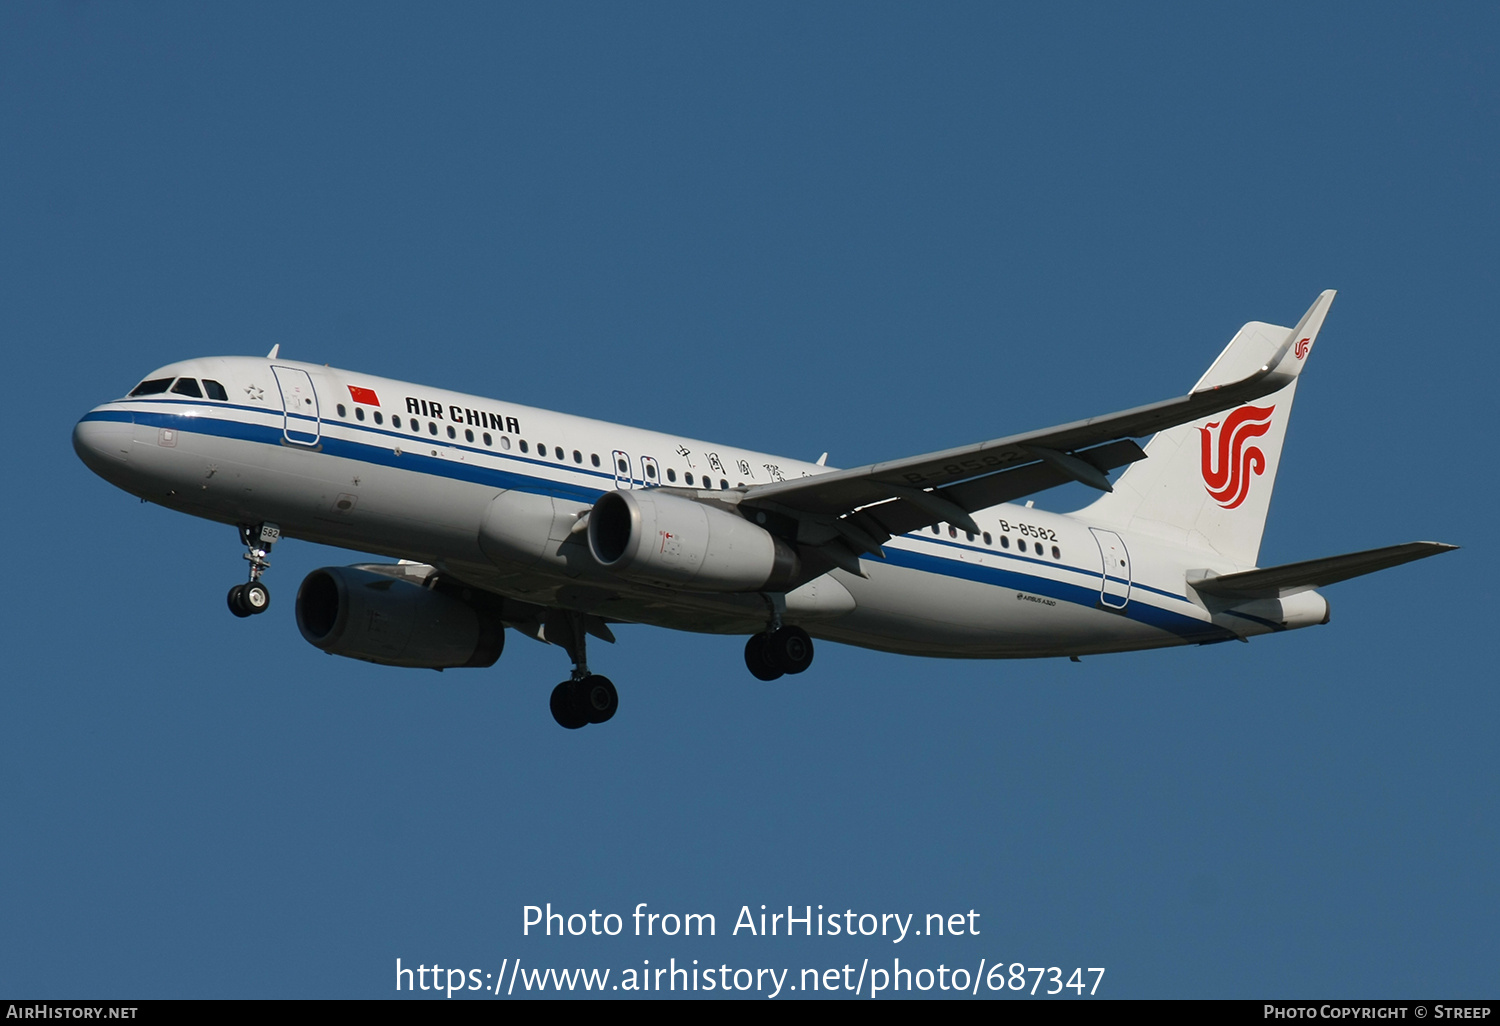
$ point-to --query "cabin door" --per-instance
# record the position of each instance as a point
(303, 425)
(1114, 581)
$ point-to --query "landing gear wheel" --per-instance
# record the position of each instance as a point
(255, 597)
(596, 698)
(564, 710)
(237, 602)
(757, 660)
(789, 649)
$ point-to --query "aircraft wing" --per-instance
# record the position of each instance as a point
(847, 512)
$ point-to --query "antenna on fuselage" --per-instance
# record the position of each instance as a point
(275, 351)
(823, 460)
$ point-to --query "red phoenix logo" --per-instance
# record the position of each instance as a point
(1228, 478)
(1302, 348)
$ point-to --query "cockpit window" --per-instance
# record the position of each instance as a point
(152, 386)
(188, 386)
(215, 390)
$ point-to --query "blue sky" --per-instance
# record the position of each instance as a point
(870, 229)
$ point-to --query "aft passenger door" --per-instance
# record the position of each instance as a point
(1114, 582)
(303, 424)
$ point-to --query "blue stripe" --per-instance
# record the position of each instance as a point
(210, 403)
(383, 432)
(1014, 580)
(375, 454)
(1010, 579)
(1003, 554)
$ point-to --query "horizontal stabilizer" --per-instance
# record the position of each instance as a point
(1290, 578)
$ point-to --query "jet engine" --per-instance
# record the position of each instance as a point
(380, 618)
(657, 538)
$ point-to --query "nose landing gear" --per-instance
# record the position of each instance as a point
(254, 597)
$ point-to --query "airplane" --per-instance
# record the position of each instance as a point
(557, 526)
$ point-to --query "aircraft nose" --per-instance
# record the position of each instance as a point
(102, 440)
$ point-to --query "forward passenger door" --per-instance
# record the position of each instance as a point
(299, 402)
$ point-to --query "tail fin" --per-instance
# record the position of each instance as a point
(1208, 484)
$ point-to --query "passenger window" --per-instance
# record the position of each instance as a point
(623, 466)
(505, 442)
(723, 484)
(215, 390)
(188, 386)
(395, 420)
(378, 418)
(577, 456)
(342, 412)
(1021, 544)
(1056, 552)
(558, 452)
(969, 535)
(452, 433)
(1005, 541)
(651, 471)
(155, 386)
(523, 445)
(936, 529)
(432, 427)
(594, 458)
(359, 413)
(952, 531)
(671, 475)
(468, 434)
(987, 539)
(688, 477)
(488, 440)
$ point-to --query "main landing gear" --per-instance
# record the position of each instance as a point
(780, 650)
(254, 597)
(586, 697)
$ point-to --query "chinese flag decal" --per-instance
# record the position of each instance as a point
(365, 396)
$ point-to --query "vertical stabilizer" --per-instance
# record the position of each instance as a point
(1208, 484)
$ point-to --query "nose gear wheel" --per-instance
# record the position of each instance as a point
(248, 599)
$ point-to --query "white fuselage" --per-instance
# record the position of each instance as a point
(488, 492)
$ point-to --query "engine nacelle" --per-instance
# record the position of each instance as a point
(657, 538)
(348, 611)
